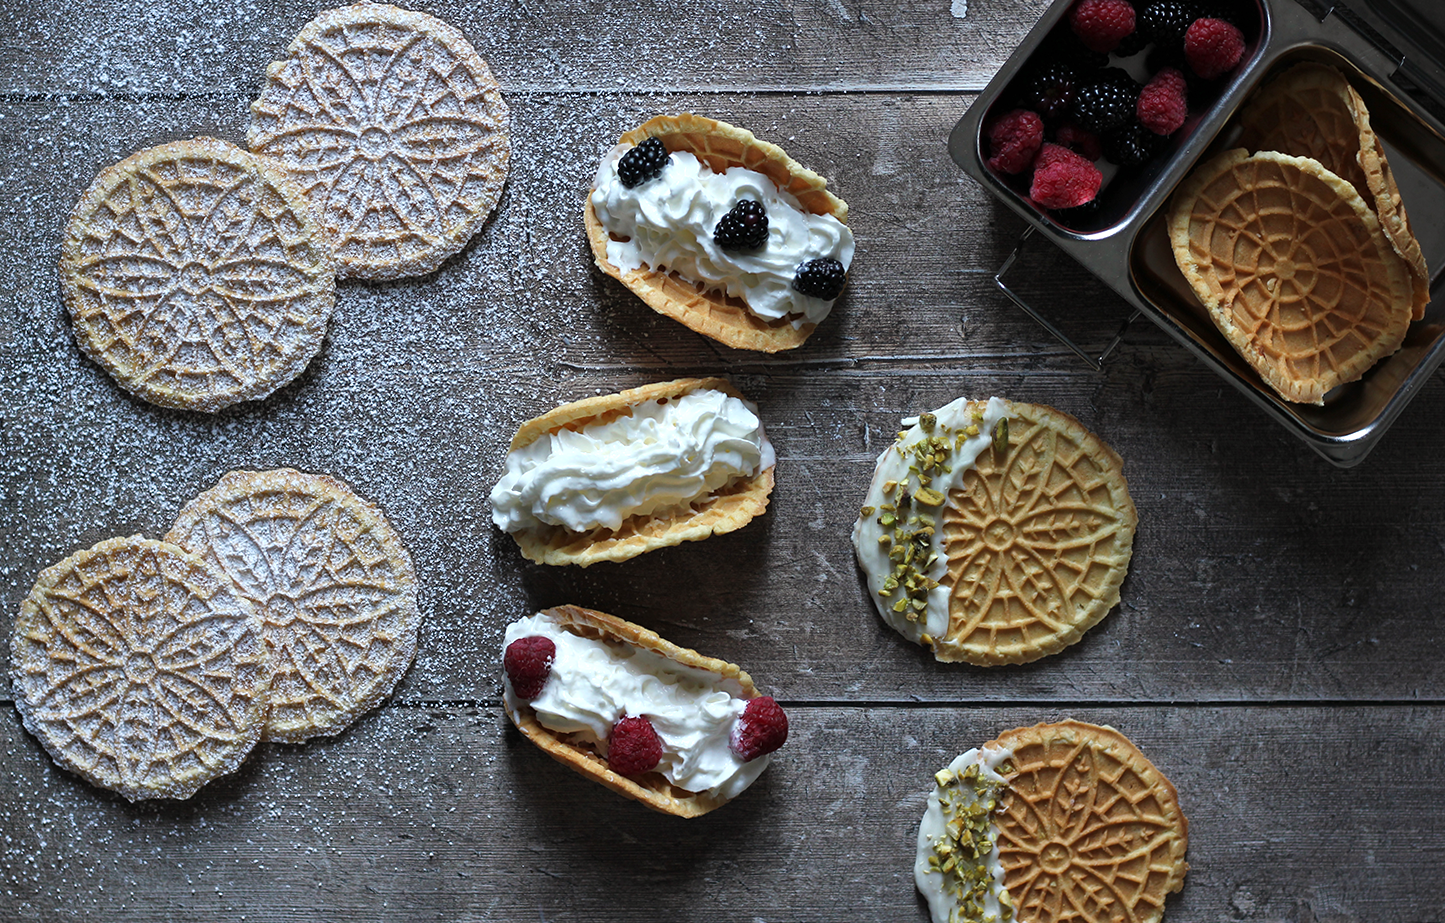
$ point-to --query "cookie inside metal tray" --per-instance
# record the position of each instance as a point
(1417, 157)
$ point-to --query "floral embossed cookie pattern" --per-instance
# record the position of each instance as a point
(139, 669)
(196, 277)
(395, 131)
(335, 589)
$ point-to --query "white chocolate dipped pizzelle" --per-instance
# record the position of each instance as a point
(1052, 823)
(604, 668)
(610, 477)
(657, 238)
(995, 531)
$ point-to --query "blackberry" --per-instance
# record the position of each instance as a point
(821, 278)
(1132, 145)
(1165, 21)
(1132, 44)
(745, 227)
(1050, 92)
(1078, 217)
(1107, 102)
(642, 163)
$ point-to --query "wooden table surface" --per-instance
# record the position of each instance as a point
(1279, 652)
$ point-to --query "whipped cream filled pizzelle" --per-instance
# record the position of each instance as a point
(967, 435)
(594, 683)
(957, 869)
(669, 223)
(660, 457)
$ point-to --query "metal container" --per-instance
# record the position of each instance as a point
(1392, 54)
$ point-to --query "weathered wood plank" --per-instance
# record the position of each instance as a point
(712, 45)
(1296, 814)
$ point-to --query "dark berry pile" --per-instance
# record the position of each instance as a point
(821, 278)
(1106, 102)
(1090, 110)
(642, 163)
(745, 227)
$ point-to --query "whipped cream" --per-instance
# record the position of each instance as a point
(967, 436)
(668, 223)
(659, 457)
(594, 683)
(962, 883)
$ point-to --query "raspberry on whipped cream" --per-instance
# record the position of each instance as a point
(595, 685)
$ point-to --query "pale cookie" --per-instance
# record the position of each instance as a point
(711, 311)
(395, 131)
(140, 669)
(1293, 268)
(996, 532)
(334, 587)
(195, 275)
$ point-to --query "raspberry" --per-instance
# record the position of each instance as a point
(1107, 102)
(1101, 24)
(1213, 47)
(1050, 91)
(821, 278)
(1063, 179)
(1132, 146)
(1164, 103)
(642, 163)
(528, 662)
(745, 227)
(1081, 141)
(1014, 140)
(1165, 21)
(634, 747)
(762, 728)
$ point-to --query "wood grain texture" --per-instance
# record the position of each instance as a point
(425, 813)
(1279, 651)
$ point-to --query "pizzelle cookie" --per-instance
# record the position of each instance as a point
(661, 724)
(995, 531)
(1312, 111)
(333, 585)
(394, 130)
(611, 477)
(140, 669)
(195, 275)
(1052, 823)
(748, 293)
(1293, 269)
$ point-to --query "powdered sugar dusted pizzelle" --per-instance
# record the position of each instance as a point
(394, 129)
(334, 587)
(140, 669)
(195, 275)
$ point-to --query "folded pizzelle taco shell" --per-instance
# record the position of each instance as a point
(724, 511)
(713, 313)
(652, 788)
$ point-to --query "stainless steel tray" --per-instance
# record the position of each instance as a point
(1126, 244)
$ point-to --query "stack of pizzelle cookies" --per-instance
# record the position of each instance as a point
(200, 275)
(1301, 251)
(280, 606)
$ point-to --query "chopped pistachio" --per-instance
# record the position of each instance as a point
(927, 421)
(929, 497)
(1000, 435)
